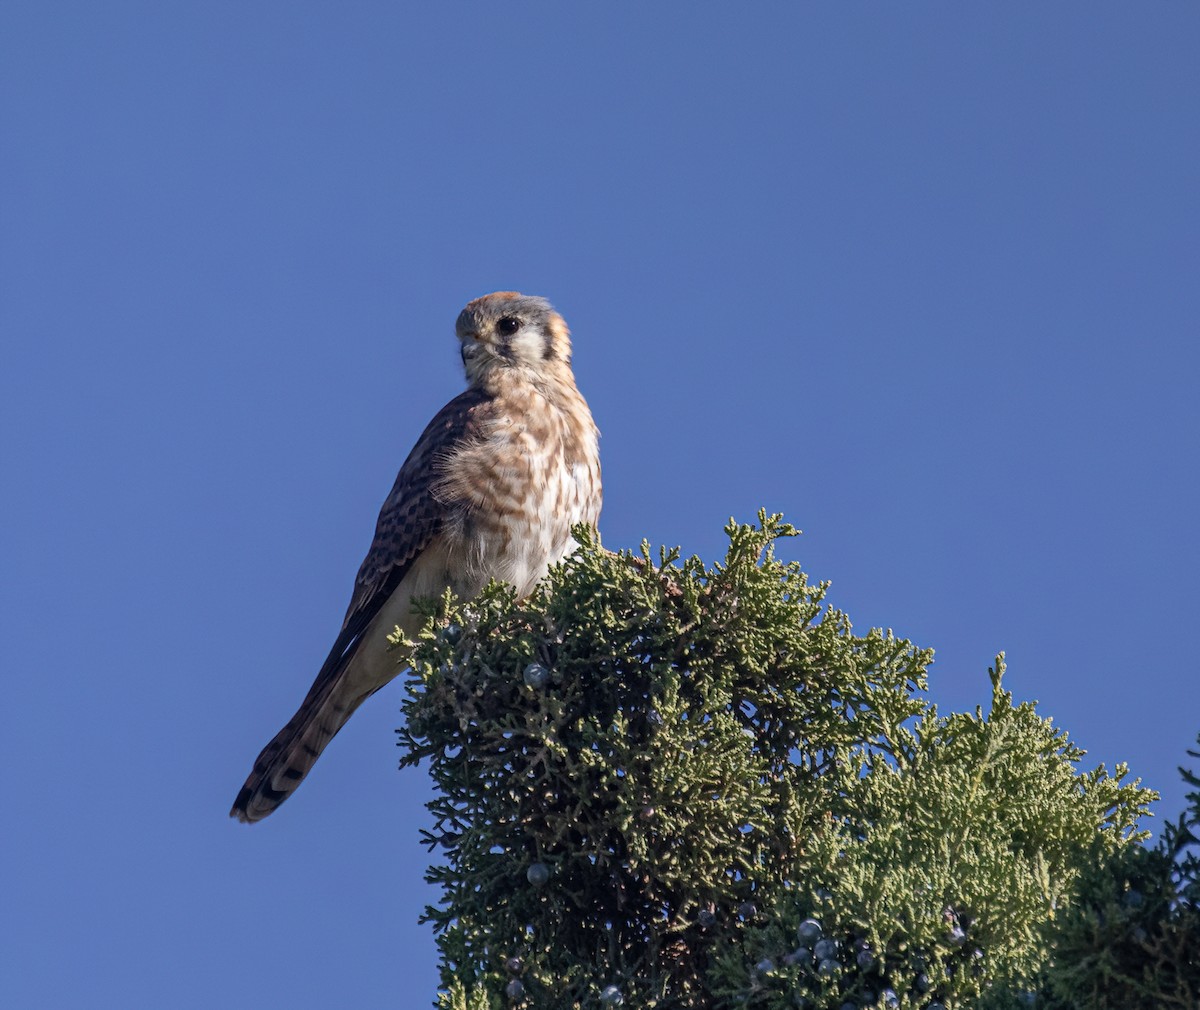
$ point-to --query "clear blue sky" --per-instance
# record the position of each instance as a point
(924, 277)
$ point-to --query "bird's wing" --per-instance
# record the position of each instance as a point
(409, 520)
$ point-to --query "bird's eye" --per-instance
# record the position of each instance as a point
(508, 325)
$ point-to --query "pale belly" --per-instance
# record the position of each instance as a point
(514, 546)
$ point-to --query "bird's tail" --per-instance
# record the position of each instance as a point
(284, 762)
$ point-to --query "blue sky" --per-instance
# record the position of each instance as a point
(923, 277)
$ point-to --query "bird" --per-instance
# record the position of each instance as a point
(490, 491)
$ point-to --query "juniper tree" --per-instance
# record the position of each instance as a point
(1132, 939)
(661, 783)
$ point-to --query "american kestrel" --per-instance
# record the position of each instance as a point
(490, 491)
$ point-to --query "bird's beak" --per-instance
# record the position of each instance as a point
(473, 342)
(470, 345)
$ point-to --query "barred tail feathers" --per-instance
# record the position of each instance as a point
(290, 756)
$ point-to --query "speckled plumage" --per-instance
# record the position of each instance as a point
(490, 491)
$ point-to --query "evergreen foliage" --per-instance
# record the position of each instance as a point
(1132, 941)
(689, 786)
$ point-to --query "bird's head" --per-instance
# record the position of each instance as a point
(507, 330)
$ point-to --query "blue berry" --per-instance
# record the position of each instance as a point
(889, 998)
(515, 989)
(827, 966)
(537, 874)
(865, 959)
(747, 910)
(809, 931)
(801, 956)
(612, 996)
(765, 965)
(825, 949)
(705, 918)
(514, 965)
(536, 675)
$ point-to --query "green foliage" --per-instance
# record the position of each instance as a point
(458, 998)
(649, 775)
(953, 843)
(1132, 941)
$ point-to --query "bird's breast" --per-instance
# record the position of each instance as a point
(515, 491)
